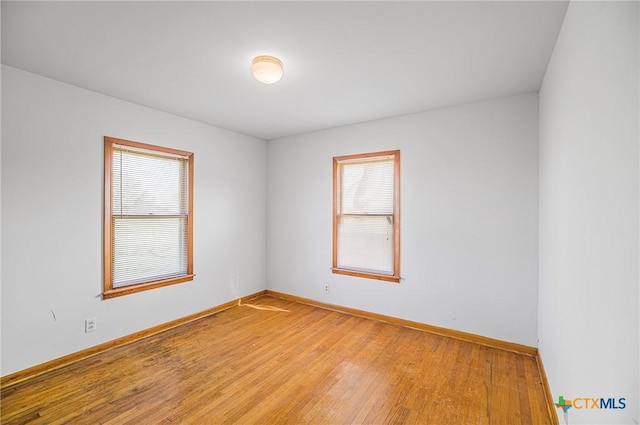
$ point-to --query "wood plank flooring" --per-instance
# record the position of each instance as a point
(303, 366)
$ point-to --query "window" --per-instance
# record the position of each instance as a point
(148, 219)
(366, 224)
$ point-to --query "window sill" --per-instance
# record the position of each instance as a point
(366, 275)
(126, 290)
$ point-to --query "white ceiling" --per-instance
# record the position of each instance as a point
(345, 62)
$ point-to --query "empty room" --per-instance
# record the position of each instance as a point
(320, 212)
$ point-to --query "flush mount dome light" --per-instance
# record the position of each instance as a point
(267, 69)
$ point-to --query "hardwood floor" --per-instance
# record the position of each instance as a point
(302, 366)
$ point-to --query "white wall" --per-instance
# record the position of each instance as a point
(52, 141)
(589, 193)
(469, 178)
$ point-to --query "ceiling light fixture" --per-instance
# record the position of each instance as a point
(267, 69)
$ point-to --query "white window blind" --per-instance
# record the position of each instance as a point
(149, 216)
(365, 228)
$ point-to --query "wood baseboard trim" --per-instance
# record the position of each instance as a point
(546, 388)
(465, 336)
(34, 371)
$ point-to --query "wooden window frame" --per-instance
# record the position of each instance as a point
(109, 291)
(396, 216)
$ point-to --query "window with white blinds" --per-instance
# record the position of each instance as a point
(366, 227)
(148, 216)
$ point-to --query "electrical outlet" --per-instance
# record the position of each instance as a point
(326, 288)
(90, 325)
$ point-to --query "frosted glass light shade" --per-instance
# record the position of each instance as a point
(267, 69)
